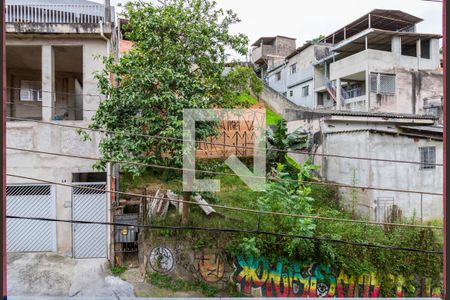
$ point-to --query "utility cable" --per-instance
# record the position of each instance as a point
(222, 144)
(229, 174)
(254, 211)
(234, 230)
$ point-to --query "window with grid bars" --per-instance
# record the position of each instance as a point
(387, 84)
(383, 84)
(30, 90)
(427, 157)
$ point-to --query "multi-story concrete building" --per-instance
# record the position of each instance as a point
(269, 51)
(295, 76)
(372, 89)
(53, 50)
(377, 63)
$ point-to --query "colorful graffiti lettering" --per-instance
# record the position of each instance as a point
(254, 276)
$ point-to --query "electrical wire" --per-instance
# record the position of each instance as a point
(229, 174)
(222, 144)
(234, 230)
(258, 212)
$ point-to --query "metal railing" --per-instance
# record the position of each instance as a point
(348, 94)
(55, 13)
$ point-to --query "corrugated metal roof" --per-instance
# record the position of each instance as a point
(387, 19)
(435, 129)
(381, 131)
(370, 114)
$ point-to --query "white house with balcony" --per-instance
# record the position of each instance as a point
(53, 50)
(377, 63)
(380, 63)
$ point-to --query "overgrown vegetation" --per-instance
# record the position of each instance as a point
(176, 284)
(117, 270)
(178, 62)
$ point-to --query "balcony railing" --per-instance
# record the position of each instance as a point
(55, 13)
(353, 93)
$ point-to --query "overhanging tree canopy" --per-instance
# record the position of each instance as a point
(177, 61)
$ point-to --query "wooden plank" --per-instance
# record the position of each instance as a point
(204, 205)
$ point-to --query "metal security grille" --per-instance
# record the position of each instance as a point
(89, 240)
(35, 201)
(387, 84)
(373, 82)
(383, 84)
(427, 157)
(383, 209)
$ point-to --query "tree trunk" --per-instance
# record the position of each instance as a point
(185, 212)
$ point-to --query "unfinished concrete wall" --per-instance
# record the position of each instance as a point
(93, 51)
(406, 176)
(413, 89)
(44, 137)
(284, 46)
(276, 101)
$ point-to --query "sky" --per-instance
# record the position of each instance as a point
(307, 19)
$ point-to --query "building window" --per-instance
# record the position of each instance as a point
(383, 84)
(294, 68)
(278, 76)
(427, 157)
(305, 91)
(30, 90)
(291, 93)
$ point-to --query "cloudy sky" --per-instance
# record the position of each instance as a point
(307, 19)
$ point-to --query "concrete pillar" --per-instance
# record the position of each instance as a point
(48, 82)
(338, 94)
(418, 53)
(434, 52)
(396, 47)
(367, 89)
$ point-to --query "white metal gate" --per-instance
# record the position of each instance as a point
(35, 201)
(89, 240)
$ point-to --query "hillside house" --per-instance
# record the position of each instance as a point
(381, 137)
(53, 49)
(377, 63)
(269, 51)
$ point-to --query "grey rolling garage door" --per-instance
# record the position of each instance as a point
(89, 204)
(36, 201)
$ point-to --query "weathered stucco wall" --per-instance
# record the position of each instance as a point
(259, 277)
(44, 137)
(388, 175)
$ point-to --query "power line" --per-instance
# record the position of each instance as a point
(254, 211)
(222, 144)
(228, 174)
(55, 92)
(233, 230)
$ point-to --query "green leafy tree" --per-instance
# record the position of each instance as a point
(177, 62)
(279, 141)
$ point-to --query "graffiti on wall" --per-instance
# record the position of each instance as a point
(161, 259)
(210, 266)
(256, 277)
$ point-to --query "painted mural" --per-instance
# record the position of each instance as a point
(256, 277)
